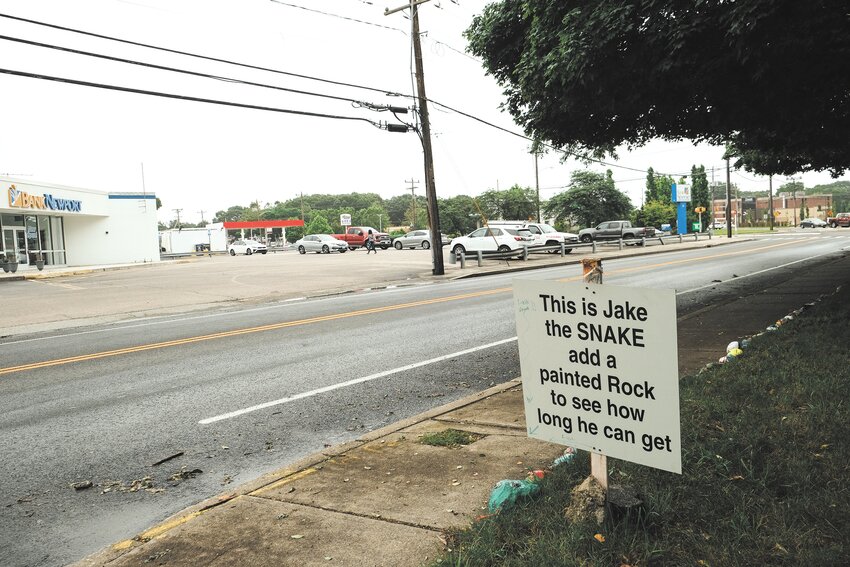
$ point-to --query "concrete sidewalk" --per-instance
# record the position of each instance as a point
(385, 499)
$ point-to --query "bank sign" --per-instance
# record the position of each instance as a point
(23, 200)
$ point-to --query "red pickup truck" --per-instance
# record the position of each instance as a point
(355, 236)
(841, 219)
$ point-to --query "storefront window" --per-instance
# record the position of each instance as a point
(31, 237)
(57, 243)
(33, 245)
(11, 220)
(44, 237)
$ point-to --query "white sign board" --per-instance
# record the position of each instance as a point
(683, 193)
(600, 369)
(345, 220)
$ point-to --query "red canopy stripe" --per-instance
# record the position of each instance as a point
(263, 224)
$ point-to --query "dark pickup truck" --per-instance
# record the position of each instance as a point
(614, 230)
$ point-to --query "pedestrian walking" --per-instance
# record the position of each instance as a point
(370, 243)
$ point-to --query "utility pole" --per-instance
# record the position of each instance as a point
(413, 197)
(770, 196)
(178, 211)
(430, 188)
(302, 206)
(537, 180)
(728, 201)
(202, 215)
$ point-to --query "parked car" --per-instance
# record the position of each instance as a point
(813, 223)
(487, 239)
(525, 235)
(417, 238)
(246, 246)
(612, 230)
(320, 244)
(544, 234)
(720, 224)
(356, 236)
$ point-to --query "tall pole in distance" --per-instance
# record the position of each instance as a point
(770, 196)
(537, 182)
(728, 201)
(413, 198)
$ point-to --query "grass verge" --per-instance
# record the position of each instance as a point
(765, 480)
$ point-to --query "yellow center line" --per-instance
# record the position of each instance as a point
(246, 331)
(338, 316)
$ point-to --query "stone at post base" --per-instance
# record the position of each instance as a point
(622, 501)
(587, 502)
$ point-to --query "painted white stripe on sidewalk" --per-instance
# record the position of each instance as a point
(333, 387)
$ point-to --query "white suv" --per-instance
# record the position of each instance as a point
(487, 239)
(544, 234)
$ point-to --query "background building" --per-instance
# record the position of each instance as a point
(76, 227)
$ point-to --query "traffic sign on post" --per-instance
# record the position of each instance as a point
(345, 219)
(600, 369)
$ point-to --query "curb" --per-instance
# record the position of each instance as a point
(299, 467)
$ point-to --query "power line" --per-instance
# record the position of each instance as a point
(178, 70)
(338, 16)
(308, 77)
(183, 97)
(204, 57)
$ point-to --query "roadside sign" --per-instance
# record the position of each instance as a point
(776, 213)
(345, 220)
(697, 226)
(600, 369)
(681, 193)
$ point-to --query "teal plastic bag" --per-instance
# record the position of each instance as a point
(506, 492)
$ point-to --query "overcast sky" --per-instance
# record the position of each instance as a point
(204, 157)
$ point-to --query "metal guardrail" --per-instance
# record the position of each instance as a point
(563, 249)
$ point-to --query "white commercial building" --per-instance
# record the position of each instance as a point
(75, 227)
(212, 237)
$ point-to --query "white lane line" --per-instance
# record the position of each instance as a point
(333, 387)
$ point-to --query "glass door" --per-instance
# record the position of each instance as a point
(21, 245)
(8, 242)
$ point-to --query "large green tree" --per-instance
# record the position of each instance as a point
(700, 196)
(769, 77)
(458, 215)
(318, 225)
(516, 203)
(590, 199)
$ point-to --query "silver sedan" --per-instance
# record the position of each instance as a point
(416, 239)
(320, 244)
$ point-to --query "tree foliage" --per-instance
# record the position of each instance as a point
(458, 215)
(658, 187)
(771, 78)
(590, 199)
(318, 225)
(516, 203)
(655, 213)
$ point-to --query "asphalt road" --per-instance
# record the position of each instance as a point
(240, 391)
